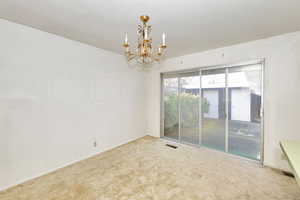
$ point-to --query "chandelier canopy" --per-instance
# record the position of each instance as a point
(144, 54)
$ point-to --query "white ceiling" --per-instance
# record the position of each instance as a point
(191, 25)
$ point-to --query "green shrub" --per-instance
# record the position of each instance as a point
(189, 109)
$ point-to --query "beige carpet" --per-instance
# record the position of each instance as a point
(147, 169)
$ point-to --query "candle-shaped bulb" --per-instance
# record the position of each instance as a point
(146, 34)
(163, 40)
(126, 39)
(159, 51)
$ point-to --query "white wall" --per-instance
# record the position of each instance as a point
(282, 81)
(57, 97)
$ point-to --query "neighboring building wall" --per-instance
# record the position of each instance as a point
(240, 104)
(212, 96)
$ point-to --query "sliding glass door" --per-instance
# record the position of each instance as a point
(189, 107)
(244, 111)
(220, 108)
(213, 123)
(171, 107)
(181, 107)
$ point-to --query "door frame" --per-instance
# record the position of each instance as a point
(199, 70)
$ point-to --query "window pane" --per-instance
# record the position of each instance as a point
(189, 108)
(170, 98)
(244, 93)
(213, 108)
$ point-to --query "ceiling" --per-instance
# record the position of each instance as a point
(191, 25)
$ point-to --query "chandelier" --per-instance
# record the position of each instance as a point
(144, 54)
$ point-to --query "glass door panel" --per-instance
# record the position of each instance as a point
(244, 107)
(171, 105)
(189, 107)
(229, 117)
(213, 108)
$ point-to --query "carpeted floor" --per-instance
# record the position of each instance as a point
(147, 169)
